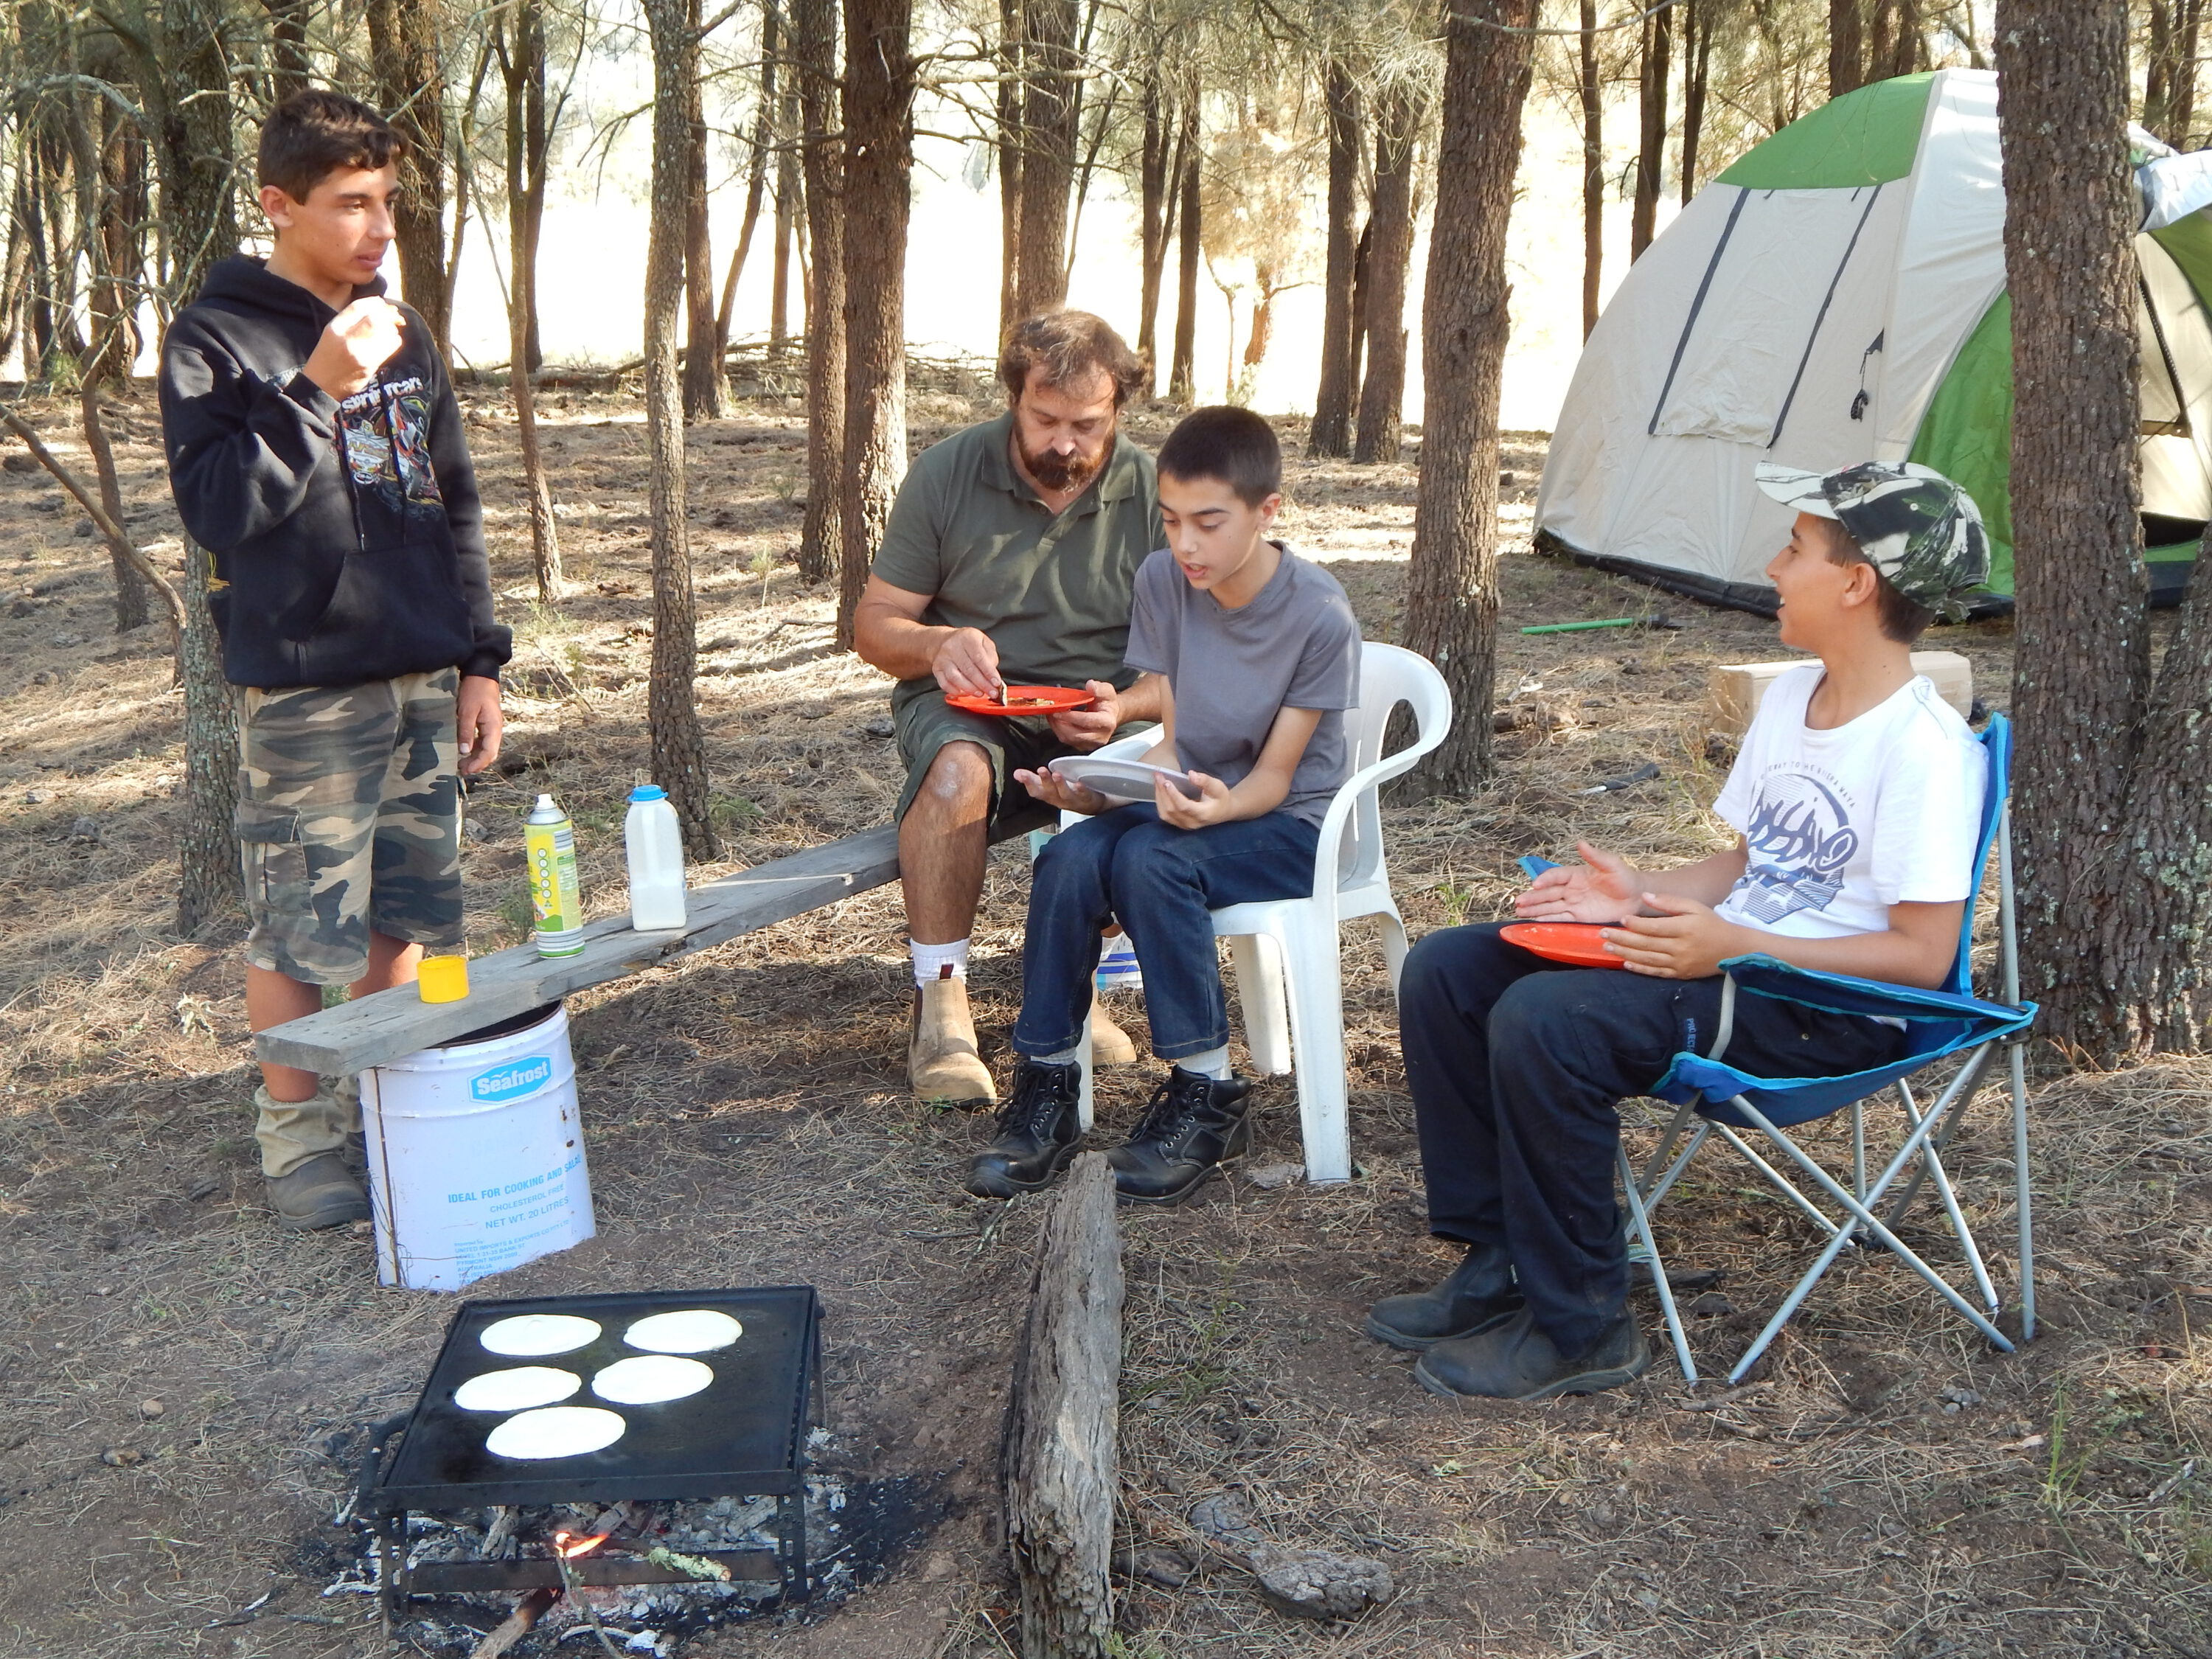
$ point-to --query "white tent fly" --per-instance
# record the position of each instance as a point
(1839, 294)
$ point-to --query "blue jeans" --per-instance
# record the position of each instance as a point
(1158, 881)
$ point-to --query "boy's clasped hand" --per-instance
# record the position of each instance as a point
(1663, 935)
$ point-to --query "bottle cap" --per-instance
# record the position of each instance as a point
(545, 804)
(648, 791)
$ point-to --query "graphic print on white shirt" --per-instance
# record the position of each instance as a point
(1840, 824)
(1801, 840)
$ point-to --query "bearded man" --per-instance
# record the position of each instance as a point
(1009, 558)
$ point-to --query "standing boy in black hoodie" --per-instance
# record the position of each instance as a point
(316, 454)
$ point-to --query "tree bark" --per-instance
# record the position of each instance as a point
(523, 65)
(1012, 149)
(403, 37)
(814, 44)
(1062, 1425)
(1331, 431)
(756, 175)
(1592, 91)
(107, 358)
(1651, 156)
(703, 343)
(679, 748)
(1048, 117)
(787, 218)
(290, 64)
(1697, 81)
(2182, 108)
(1382, 395)
(1451, 600)
(1155, 170)
(2158, 66)
(2082, 657)
(879, 92)
(1846, 47)
(208, 884)
(1183, 376)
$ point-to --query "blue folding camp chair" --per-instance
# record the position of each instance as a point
(1952, 1021)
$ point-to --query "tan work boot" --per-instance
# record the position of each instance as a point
(321, 1193)
(1110, 1044)
(941, 1061)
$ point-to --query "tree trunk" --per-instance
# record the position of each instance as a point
(1012, 150)
(756, 177)
(1697, 81)
(2082, 655)
(291, 64)
(1651, 157)
(2182, 99)
(1183, 376)
(814, 43)
(1451, 600)
(1154, 171)
(1381, 398)
(787, 218)
(1063, 1412)
(1846, 47)
(1331, 432)
(1592, 91)
(703, 346)
(2158, 67)
(1048, 113)
(404, 36)
(208, 886)
(1362, 292)
(880, 79)
(679, 748)
(107, 359)
(524, 67)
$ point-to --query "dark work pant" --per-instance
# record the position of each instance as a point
(1516, 1065)
(1159, 882)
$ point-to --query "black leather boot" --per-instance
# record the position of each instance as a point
(1038, 1131)
(1516, 1360)
(1480, 1293)
(1193, 1124)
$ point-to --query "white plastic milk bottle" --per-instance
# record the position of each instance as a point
(655, 844)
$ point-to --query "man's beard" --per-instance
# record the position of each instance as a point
(1061, 473)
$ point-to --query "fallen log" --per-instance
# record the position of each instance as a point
(1062, 1472)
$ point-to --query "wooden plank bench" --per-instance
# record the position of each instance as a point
(354, 1035)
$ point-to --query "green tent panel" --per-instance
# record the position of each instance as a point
(1867, 137)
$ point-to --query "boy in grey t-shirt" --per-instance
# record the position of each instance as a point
(1258, 654)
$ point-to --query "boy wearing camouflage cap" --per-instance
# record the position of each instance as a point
(1857, 798)
(316, 454)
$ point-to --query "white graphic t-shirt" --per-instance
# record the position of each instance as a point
(1840, 825)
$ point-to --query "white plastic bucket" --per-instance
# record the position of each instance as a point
(476, 1154)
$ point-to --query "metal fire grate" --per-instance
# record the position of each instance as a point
(743, 1435)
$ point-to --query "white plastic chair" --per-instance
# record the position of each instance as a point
(1285, 951)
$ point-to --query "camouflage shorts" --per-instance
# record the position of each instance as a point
(349, 821)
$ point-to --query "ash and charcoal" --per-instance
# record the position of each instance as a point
(855, 1528)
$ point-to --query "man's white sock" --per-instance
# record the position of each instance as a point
(931, 960)
(1213, 1063)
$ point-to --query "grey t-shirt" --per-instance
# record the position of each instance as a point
(1295, 645)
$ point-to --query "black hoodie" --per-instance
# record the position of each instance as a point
(348, 538)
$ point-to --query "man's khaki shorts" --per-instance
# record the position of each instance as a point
(924, 723)
(349, 821)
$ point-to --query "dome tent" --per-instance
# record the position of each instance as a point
(1839, 294)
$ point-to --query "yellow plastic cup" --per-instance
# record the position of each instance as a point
(443, 979)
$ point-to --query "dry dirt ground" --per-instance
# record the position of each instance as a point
(1895, 1488)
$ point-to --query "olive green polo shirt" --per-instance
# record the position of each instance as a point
(1052, 592)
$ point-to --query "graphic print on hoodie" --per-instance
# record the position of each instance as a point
(347, 540)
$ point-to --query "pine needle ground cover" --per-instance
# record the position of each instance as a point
(185, 1386)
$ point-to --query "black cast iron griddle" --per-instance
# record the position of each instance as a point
(744, 1434)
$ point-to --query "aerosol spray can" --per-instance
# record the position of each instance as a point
(556, 903)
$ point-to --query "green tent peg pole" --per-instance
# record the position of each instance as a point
(1577, 627)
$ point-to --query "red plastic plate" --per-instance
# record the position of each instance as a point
(1026, 700)
(1581, 943)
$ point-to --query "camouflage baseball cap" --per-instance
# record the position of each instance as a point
(1914, 525)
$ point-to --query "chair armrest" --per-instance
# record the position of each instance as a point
(1843, 994)
(1341, 804)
